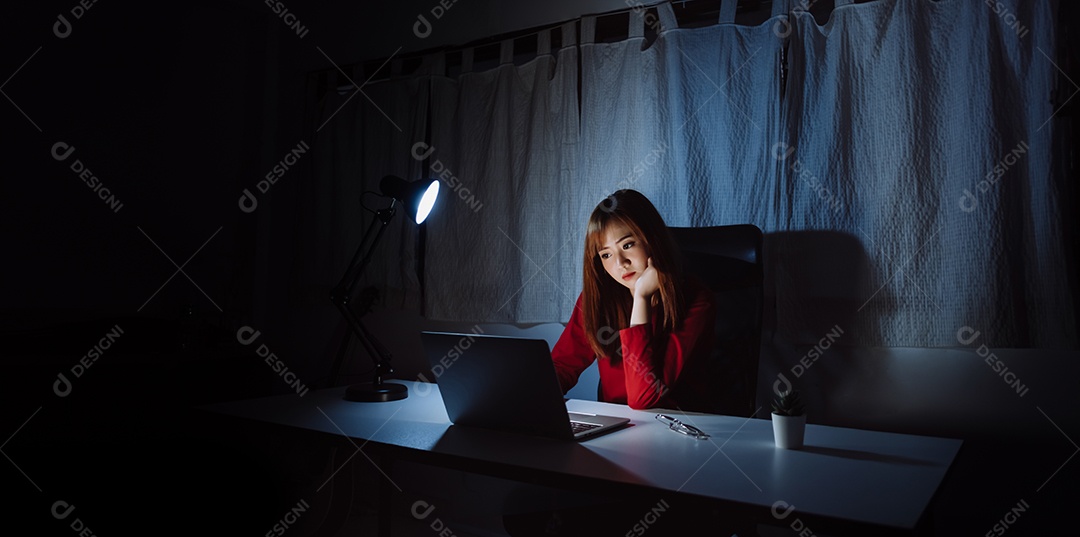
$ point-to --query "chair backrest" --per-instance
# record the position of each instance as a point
(728, 259)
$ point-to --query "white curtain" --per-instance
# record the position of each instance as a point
(505, 145)
(899, 114)
(898, 159)
(687, 121)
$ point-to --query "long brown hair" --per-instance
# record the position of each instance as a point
(606, 302)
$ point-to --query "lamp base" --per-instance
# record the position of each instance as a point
(369, 392)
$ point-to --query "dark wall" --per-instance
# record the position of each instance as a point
(166, 111)
(175, 109)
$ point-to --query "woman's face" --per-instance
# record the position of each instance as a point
(623, 254)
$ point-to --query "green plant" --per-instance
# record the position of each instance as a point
(789, 403)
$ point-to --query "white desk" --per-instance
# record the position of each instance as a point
(881, 479)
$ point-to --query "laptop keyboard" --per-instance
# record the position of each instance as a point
(581, 426)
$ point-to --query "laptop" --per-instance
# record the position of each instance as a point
(507, 384)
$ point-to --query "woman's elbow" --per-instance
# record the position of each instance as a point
(643, 403)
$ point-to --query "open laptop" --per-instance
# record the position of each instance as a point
(508, 384)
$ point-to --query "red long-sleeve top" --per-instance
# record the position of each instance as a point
(650, 372)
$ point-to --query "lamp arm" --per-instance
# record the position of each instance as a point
(362, 257)
(379, 355)
(341, 294)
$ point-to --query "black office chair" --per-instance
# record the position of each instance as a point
(728, 260)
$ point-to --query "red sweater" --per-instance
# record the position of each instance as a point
(649, 374)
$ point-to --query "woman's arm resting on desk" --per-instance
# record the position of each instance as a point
(650, 376)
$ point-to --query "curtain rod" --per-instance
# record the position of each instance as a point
(701, 16)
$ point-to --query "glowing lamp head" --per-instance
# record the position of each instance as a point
(418, 196)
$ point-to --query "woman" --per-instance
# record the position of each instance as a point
(651, 328)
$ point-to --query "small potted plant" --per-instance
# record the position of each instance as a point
(788, 420)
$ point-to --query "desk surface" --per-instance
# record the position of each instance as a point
(871, 477)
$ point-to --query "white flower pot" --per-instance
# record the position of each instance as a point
(788, 431)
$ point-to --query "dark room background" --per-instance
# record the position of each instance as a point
(142, 230)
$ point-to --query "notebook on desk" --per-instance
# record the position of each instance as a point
(507, 384)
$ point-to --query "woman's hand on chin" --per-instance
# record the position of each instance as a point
(648, 283)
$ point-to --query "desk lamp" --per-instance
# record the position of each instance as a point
(418, 198)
